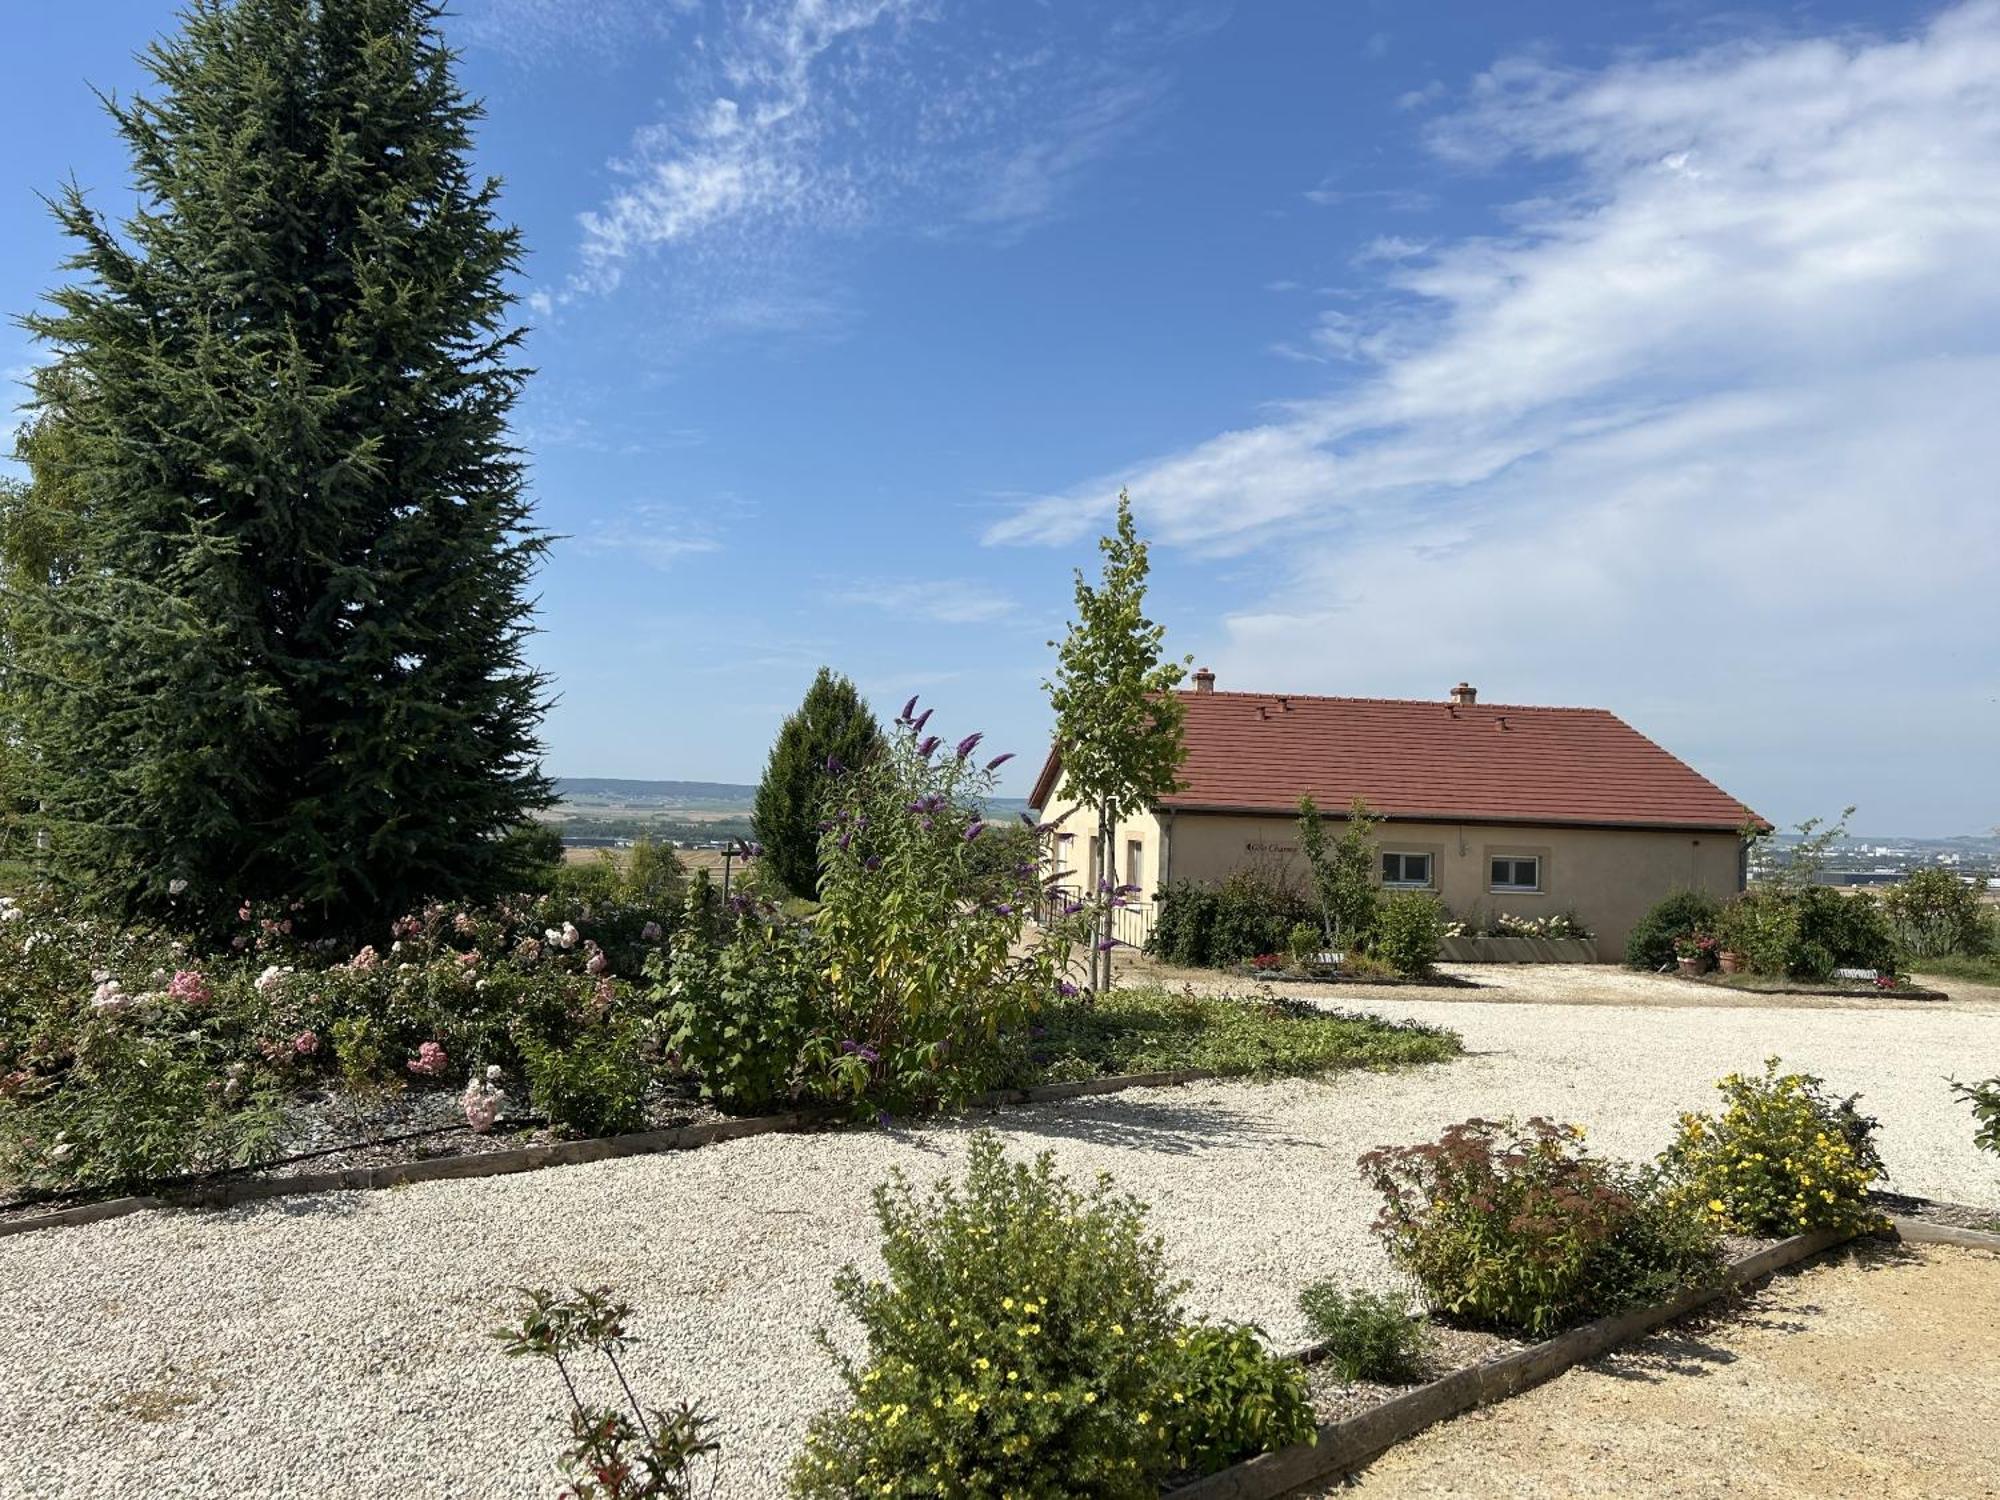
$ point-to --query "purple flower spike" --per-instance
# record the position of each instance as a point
(1067, 990)
(847, 839)
(931, 742)
(974, 831)
(1105, 945)
(1004, 908)
(909, 709)
(883, 1118)
(834, 765)
(872, 863)
(917, 724)
(1028, 820)
(999, 760)
(967, 745)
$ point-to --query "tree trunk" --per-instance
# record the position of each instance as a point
(1108, 876)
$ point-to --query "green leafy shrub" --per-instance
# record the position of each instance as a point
(1650, 944)
(1985, 1101)
(1183, 921)
(593, 1084)
(1409, 930)
(1303, 945)
(1934, 914)
(1204, 926)
(1025, 1343)
(1229, 1398)
(916, 945)
(1783, 1157)
(136, 1109)
(1368, 1335)
(615, 1453)
(1806, 931)
(1514, 1226)
(739, 1013)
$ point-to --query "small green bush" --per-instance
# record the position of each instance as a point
(1784, 1156)
(1650, 944)
(1807, 931)
(1250, 913)
(1409, 929)
(1229, 1398)
(1026, 1343)
(1934, 914)
(1984, 1098)
(1369, 1335)
(594, 1084)
(739, 1014)
(1513, 1226)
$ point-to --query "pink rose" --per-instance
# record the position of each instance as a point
(306, 1043)
(189, 987)
(430, 1061)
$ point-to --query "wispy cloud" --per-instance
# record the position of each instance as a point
(801, 119)
(1723, 376)
(948, 601)
(658, 534)
(533, 31)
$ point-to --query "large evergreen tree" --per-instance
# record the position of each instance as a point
(833, 728)
(281, 656)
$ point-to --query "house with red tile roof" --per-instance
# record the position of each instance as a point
(1494, 808)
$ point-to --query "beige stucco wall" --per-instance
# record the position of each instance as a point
(1609, 877)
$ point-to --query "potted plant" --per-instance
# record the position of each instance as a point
(1695, 951)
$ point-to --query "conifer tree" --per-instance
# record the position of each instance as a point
(832, 729)
(283, 656)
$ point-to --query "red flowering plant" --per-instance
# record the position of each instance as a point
(1700, 945)
(1266, 963)
(1515, 1226)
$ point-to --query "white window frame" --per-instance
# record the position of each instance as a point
(1515, 860)
(1404, 883)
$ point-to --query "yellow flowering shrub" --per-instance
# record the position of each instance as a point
(1027, 1343)
(1783, 1156)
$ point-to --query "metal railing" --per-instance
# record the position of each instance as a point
(1131, 921)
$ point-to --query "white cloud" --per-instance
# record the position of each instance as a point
(1671, 439)
(804, 118)
(659, 535)
(533, 31)
(948, 601)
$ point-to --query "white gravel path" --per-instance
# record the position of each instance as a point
(333, 1346)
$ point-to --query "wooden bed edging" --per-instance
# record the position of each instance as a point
(225, 1193)
(1923, 1232)
(1347, 1444)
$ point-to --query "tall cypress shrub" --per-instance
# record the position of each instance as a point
(832, 728)
(285, 657)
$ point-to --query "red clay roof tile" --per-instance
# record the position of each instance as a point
(1417, 759)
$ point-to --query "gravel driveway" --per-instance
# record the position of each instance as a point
(333, 1346)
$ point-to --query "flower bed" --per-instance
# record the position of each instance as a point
(1519, 950)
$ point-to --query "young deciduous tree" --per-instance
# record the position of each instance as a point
(1343, 872)
(283, 655)
(832, 729)
(1118, 723)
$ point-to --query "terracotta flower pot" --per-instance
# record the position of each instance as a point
(1732, 962)
(1690, 967)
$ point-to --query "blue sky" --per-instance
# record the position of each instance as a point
(1637, 355)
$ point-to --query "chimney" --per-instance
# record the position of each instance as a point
(1204, 681)
(1464, 695)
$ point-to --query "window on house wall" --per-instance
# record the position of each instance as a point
(1516, 872)
(1065, 852)
(1135, 851)
(1406, 869)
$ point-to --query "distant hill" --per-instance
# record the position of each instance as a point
(667, 793)
(703, 795)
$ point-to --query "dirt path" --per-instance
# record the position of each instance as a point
(1873, 1373)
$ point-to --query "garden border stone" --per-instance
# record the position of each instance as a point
(227, 1192)
(1518, 950)
(1346, 1445)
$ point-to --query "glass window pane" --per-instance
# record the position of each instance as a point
(1417, 869)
